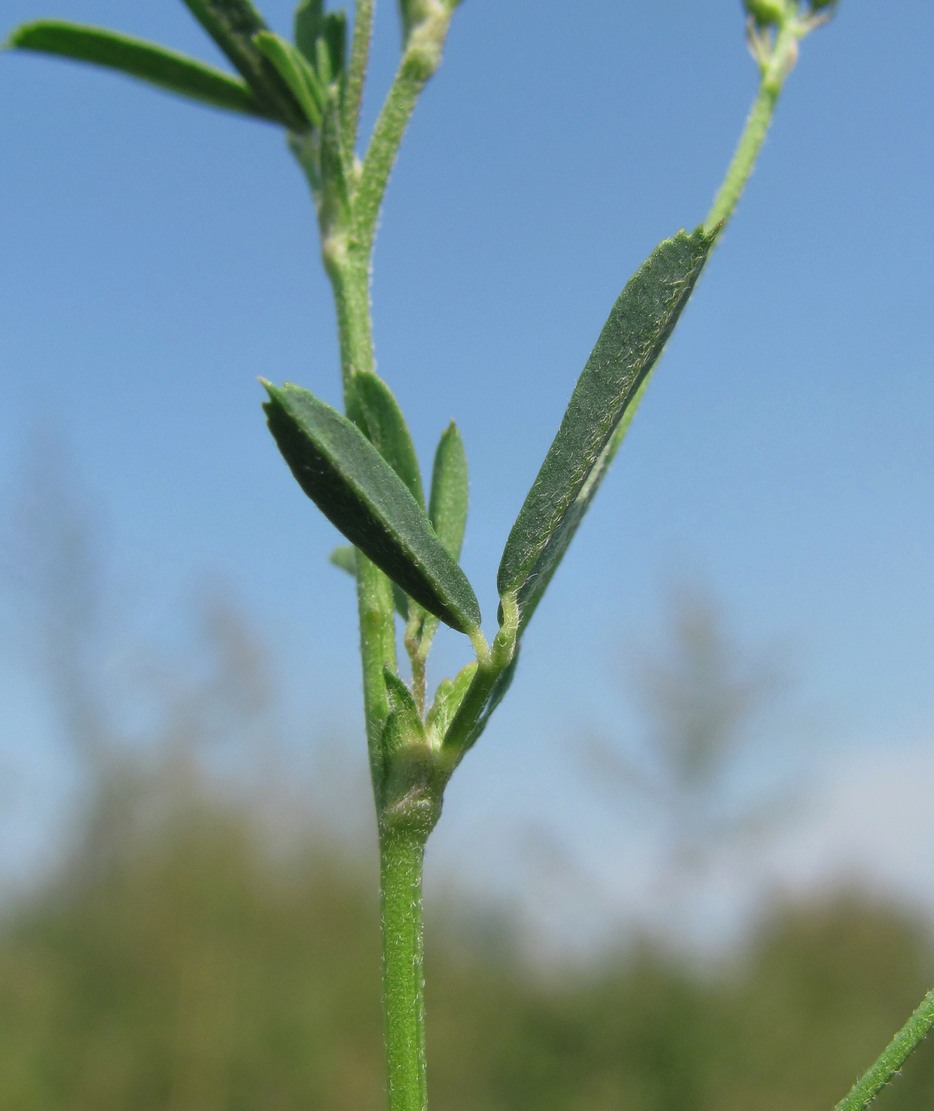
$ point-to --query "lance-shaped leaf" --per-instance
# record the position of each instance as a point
(322, 38)
(447, 508)
(335, 39)
(345, 558)
(146, 61)
(402, 706)
(447, 700)
(297, 73)
(358, 491)
(233, 25)
(308, 26)
(628, 347)
(447, 505)
(387, 430)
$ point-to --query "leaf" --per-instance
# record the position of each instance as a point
(447, 505)
(387, 431)
(628, 347)
(358, 491)
(402, 706)
(335, 37)
(345, 557)
(322, 38)
(233, 25)
(144, 60)
(408, 16)
(296, 72)
(401, 698)
(447, 509)
(448, 697)
(309, 24)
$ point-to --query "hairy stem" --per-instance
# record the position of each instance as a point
(905, 1042)
(774, 69)
(421, 56)
(356, 69)
(401, 856)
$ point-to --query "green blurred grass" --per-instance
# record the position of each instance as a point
(182, 960)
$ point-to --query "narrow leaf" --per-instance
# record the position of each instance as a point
(144, 60)
(335, 35)
(296, 72)
(447, 509)
(345, 557)
(233, 25)
(322, 62)
(309, 25)
(408, 16)
(628, 347)
(447, 505)
(402, 702)
(387, 430)
(358, 491)
(448, 697)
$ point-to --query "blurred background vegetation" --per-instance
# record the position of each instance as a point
(206, 940)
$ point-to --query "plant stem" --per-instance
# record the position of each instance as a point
(774, 69)
(905, 1042)
(421, 56)
(356, 69)
(347, 235)
(347, 263)
(401, 856)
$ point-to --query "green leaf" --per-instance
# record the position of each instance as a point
(387, 431)
(360, 493)
(628, 347)
(335, 37)
(144, 60)
(322, 39)
(233, 25)
(402, 704)
(447, 509)
(447, 505)
(408, 16)
(345, 557)
(295, 71)
(309, 25)
(448, 697)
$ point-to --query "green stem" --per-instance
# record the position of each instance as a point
(348, 266)
(774, 69)
(905, 1042)
(421, 56)
(401, 856)
(356, 69)
(347, 249)
(347, 263)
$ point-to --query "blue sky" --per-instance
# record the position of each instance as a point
(159, 256)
